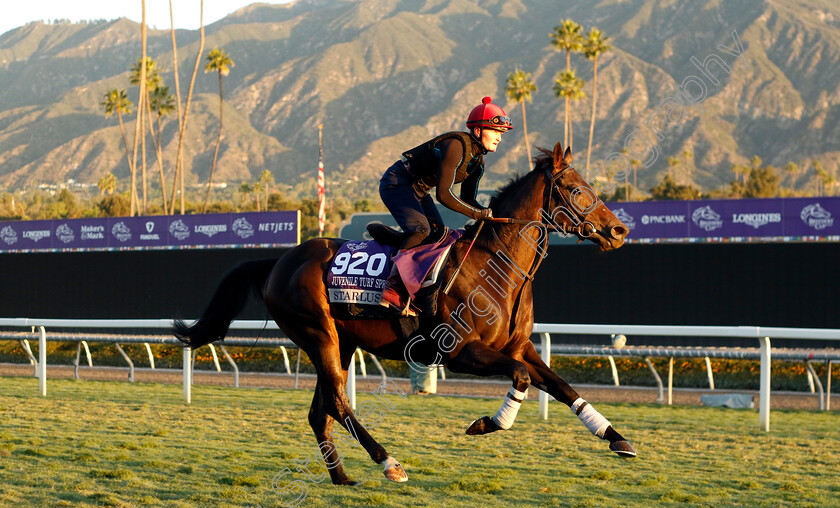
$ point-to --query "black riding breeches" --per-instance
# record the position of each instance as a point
(415, 214)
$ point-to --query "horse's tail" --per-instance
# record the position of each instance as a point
(229, 300)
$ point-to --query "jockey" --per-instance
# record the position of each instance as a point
(440, 163)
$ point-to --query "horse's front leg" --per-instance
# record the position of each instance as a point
(481, 360)
(546, 380)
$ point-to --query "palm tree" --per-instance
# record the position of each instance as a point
(245, 189)
(153, 81)
(116, 101)
(178, 106)
(594, 46)
(825, 180)
(570, 87)
(688, 155)
(138, 124)
(567, 37)
(179, 162)
(519, 89)
(673, 163)
(792, 169)
(258, 187)
(266, 178)
(107, 184)
(221, 62)
(162, 103)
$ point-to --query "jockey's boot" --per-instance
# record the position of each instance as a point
(393, 298)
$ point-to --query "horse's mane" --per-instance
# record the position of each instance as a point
(511, 187)
(514, 183)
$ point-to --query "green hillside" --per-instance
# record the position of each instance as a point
(383, 75)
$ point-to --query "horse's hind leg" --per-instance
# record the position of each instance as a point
(546, 380)
(322, 424)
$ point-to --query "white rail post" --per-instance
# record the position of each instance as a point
(670, 380)
(151, 356)
(188, 375)
(286, 360)
(362, 366)
(614, 370)
(709, 374)
(546, 358)
(351, 381)
(215, 358)
(764, 393)
(42, 360)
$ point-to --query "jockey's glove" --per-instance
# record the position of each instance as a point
(484, 213)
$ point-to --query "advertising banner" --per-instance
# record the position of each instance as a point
(224, 230)
(778, 219)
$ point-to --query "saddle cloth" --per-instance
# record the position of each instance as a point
(359, 270)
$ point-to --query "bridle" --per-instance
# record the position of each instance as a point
(582, 227)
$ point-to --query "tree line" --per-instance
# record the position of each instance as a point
(156, 99)
(567, 37)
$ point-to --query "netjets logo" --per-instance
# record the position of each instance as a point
(625, 217)
(756, 220)
(64, 233)
(706, 218)
(354, 246)
(816, 217)
(243, 228)
(121, 232)
(8, 235)
(179, 230)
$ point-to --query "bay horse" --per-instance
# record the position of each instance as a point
(482, 326)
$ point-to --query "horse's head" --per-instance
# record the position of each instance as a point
(575, 206)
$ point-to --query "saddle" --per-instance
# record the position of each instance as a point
(421, 266)
(393, 237)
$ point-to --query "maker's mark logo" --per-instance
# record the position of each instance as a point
(625, 217)
(8, 235)
(243, 228)
(706, 218)
(64, 233)
(816, 217)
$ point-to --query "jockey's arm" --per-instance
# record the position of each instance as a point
(469, 187)
(452, 152)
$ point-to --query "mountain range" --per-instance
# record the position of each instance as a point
(385, 75)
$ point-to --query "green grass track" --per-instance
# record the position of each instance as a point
(91, 443)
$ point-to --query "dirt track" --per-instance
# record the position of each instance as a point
(463, 388)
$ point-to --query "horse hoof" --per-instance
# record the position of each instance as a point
(623, 448)
(483, 425)
(396, 473)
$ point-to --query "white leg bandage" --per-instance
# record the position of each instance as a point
(507, 413)
(594, 421)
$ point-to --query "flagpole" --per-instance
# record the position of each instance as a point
(322, 213)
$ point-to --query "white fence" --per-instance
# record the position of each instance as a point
(761, 334)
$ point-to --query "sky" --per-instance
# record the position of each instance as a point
(185, 12)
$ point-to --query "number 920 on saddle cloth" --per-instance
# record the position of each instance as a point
(360, 270)
(358, 273)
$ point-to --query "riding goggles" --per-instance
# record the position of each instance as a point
(501, 121)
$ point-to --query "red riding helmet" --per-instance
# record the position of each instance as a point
(490, 116)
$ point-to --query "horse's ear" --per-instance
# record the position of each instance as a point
(558, 154)
(567, 157)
